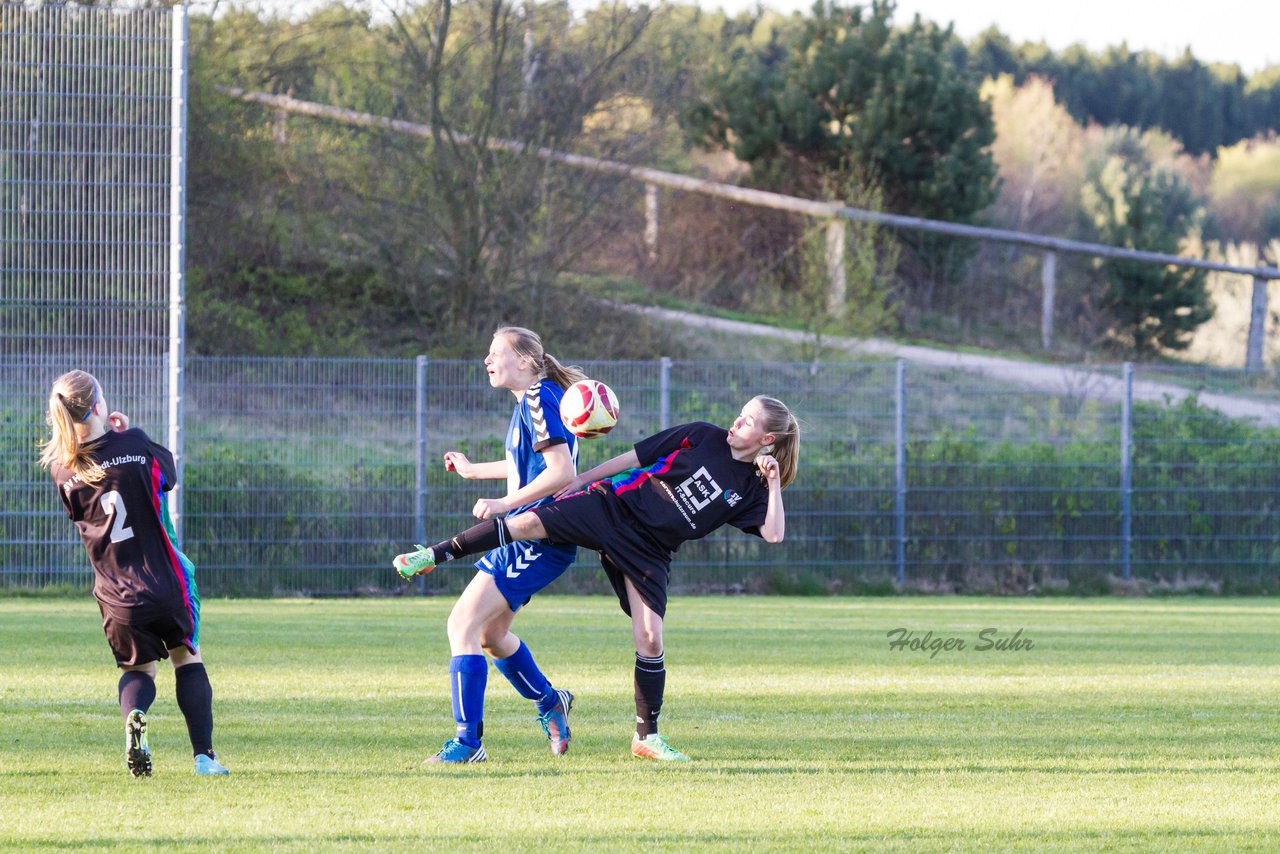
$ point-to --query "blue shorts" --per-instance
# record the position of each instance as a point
(522, 569)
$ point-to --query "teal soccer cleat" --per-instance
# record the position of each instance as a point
(455, 752)
(209, 766)
(555, 723)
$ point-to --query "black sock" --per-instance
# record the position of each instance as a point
(488, 535)
(136, 690)
(195, 699)
(651, 680)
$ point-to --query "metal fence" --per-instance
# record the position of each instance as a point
(91, 114)
(307, 476)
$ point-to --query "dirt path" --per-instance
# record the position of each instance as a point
(1051, 379)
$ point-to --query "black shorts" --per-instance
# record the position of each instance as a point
(596, 519)
(137, 638)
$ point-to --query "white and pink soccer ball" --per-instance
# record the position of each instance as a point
(589, 409)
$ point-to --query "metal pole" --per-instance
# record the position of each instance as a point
(177, 248)
(1048, 282)
(900, 470)
(651, 221)
(1126, 474)
(420, 458)
(664, 392)
(837, 280)
(1257, 326)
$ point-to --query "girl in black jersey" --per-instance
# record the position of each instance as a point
(639, 507)
(113, 483)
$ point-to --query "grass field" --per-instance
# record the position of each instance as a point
(1128, 725)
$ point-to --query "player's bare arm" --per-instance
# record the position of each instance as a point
(608, 468)
(458, 463)
(774, 528)
(559, 471)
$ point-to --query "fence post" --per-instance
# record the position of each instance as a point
(177, 250)
(664, 392)
(651, 221)
(1257, 326)
(900, 471)
(1048, 282)
(1126, 474)
(837, 281)
(420, 458)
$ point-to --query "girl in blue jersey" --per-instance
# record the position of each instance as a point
(113, 483)
(541, 459)
(638, 508)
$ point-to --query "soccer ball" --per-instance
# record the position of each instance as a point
(589, 409)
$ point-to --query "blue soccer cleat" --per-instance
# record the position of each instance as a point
(209, 766)
(455, 752)
(555, 723)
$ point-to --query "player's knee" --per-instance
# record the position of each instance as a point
(525, 526)
(461, 626)
(649, 644)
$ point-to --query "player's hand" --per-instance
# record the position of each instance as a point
(119, 421)
(487, 508)
(456, 462)
(575, 485)
(768, 467)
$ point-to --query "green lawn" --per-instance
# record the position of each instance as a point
(1129, 725)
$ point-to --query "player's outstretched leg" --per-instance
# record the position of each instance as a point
(654, 746)
(137, 754)
(555, 722)
(483, 537)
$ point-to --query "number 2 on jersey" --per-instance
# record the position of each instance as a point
(111, 504)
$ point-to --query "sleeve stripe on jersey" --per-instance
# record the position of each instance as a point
(534, 398)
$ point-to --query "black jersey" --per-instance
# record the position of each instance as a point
(124, 522)
(689, 484)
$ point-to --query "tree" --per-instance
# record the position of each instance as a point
(844, 87)
(391, 242)
(1037, 149)
(1128, 201)
(1245, 191)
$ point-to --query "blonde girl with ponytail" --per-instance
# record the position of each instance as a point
(541, 458)
(114, 483)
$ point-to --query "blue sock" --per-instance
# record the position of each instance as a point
(523, 673)
(467, 675)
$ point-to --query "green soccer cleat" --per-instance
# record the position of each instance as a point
(655, 747)
(137, 755)
(413, 563)
(209, 766)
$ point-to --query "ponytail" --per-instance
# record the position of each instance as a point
(563, 375)
(71, 403)
(525, 342)
(786, 431)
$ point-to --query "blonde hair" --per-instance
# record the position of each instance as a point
(70, 403)
(525, 342)
(786, 431)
